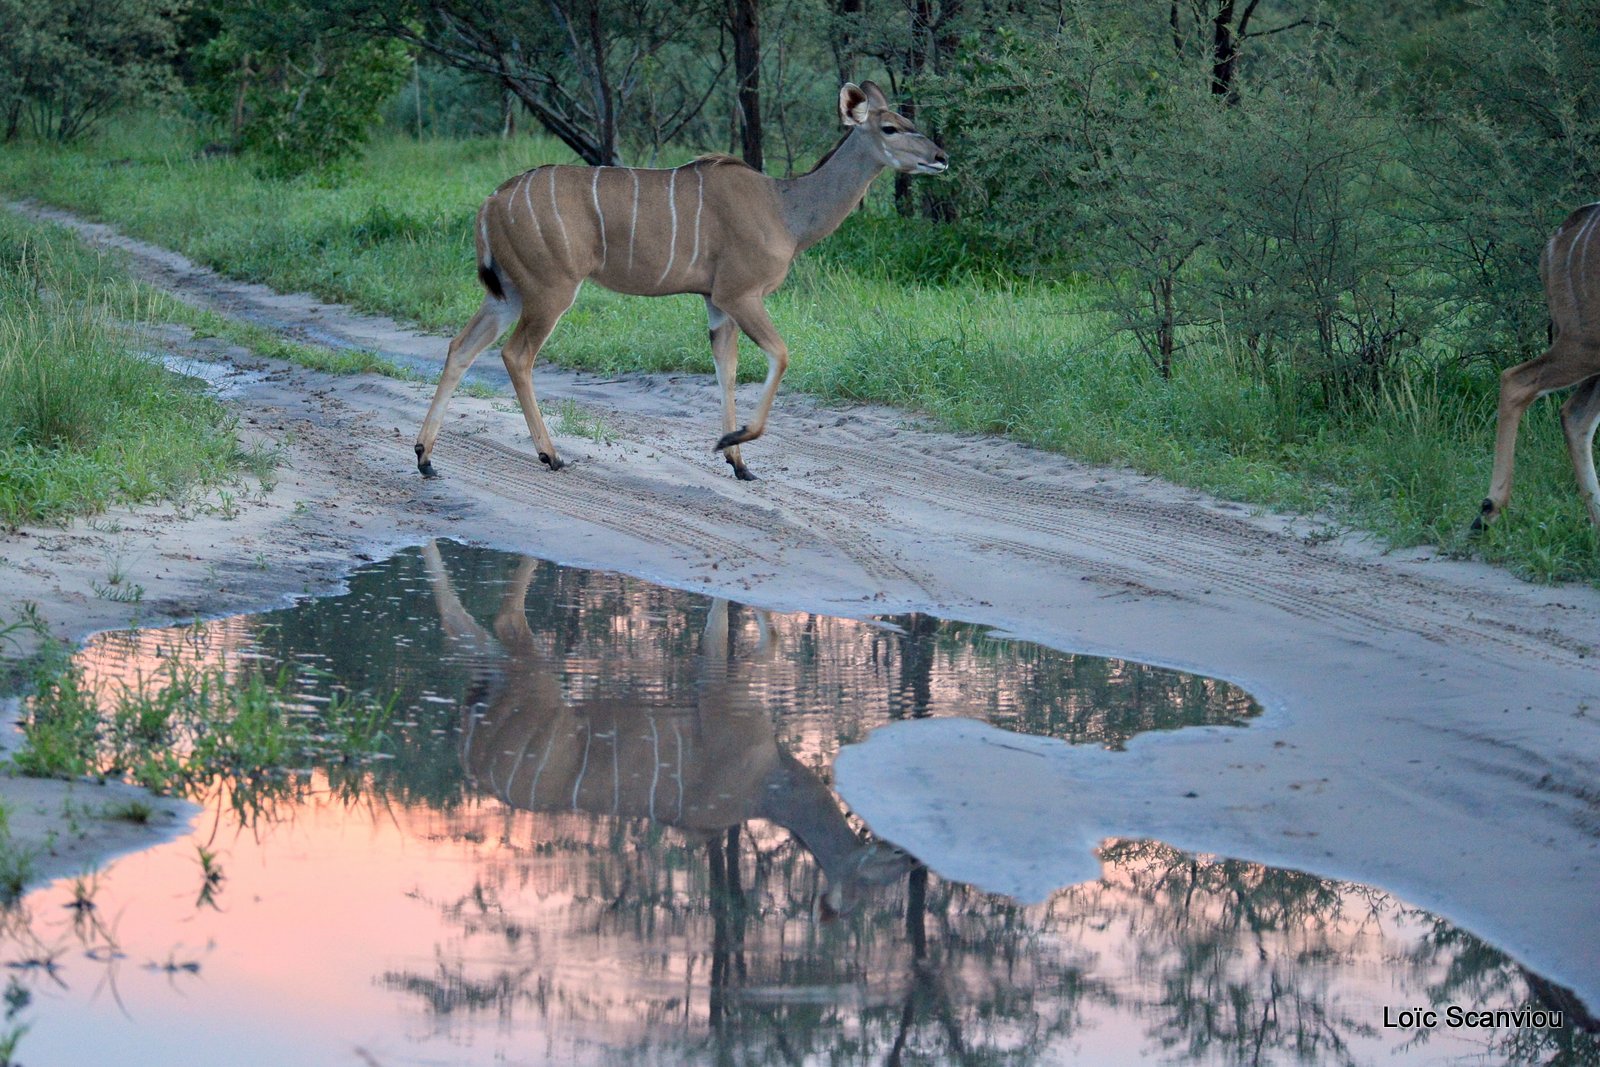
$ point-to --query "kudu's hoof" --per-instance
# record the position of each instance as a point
(1486, 513)
(553, 462)
(733, 437)
(741, 472)
(425, 465)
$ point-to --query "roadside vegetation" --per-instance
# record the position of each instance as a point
(224, 732)
(88, 416)
(1279, 251)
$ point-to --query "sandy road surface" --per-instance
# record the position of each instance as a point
(1433, 727)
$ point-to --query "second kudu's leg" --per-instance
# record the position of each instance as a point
(1559, 368)
(1579, 416)
(725, 352)
(490, 321)
(520, 351)
(752, 318)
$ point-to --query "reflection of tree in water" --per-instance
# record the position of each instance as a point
(1193, 959)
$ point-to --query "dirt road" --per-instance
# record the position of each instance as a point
(1433, 726)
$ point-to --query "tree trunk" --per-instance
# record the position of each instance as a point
(1224, 51)
(743, 15)
(844, 41)
(916, 60)
(605, 106)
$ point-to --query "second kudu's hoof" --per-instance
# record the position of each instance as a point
(553, 462)
(741, 472)
(425, 465)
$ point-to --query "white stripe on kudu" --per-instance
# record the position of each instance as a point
(555, 209)
(699, 207)
(672, 242)
(600, 216)
(633, 220)
(527, 198)
(748, 229)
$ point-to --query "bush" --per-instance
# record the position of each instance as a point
(299, 95)
(67, 64)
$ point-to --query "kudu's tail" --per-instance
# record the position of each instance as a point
(486, 272)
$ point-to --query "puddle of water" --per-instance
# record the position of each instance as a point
(606, 834)
(223, 380)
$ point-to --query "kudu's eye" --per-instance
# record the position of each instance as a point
(891, 129)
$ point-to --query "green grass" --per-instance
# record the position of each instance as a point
(16, 863)
(85, 418)
(884, 311)
(193, 732)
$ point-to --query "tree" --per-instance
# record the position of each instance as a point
(1507, 100)
(578, 65)
(1218, 30)
(67, 64)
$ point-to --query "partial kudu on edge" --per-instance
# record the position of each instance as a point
(700, 764)
(714, 227)
(1570, 270)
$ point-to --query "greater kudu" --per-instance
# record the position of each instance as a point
(1572, 291)
(714, 227)
(701, 766)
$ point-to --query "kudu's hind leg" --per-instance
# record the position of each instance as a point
(1579, 416)
(492, 318)
(1559, 368)
(752, 319)
(725, 352)
(519, 353)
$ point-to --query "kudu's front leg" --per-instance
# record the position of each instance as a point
(752, 318)
(725, 352)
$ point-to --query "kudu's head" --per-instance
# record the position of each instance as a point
(892, 136)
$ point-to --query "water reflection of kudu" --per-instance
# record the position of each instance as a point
(702, 765)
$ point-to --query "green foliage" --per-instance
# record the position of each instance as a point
(1507, 142)
(298, 94)
(66, 65)
(191, 731)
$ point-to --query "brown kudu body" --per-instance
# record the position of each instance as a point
(700, 765)
(713, 227)
(1570, 270)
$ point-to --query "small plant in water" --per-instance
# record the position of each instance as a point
(211, 877)
(84, 888)
(8, 1044)
(16, 864)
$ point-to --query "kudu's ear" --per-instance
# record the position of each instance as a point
(853, 106)
(875, 97)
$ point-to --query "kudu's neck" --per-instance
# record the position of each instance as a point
(797, 800)
(814, 204)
